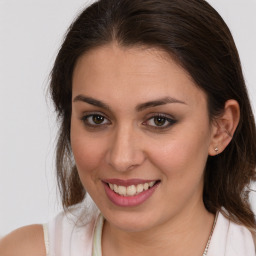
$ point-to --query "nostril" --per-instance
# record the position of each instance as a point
(125, 152)
(131, 167)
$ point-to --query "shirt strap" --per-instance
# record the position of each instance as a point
(97, 236)
(46, 238)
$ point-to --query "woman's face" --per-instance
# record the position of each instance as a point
(140, 135)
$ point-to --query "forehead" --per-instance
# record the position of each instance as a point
(138, 71)
(135, 60)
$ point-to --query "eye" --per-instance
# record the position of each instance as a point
(95, 120)
(159, 121)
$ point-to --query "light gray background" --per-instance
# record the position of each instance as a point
(30, 34)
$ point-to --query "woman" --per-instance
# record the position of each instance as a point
(156, 125)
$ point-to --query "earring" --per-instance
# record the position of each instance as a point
(216, 150)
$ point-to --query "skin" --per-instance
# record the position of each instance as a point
(25, 241)
(129, 145)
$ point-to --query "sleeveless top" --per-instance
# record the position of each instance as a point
(70, 234)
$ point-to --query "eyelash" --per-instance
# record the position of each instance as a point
(85, 119)
(168, 121)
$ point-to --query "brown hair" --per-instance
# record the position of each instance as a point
(200, 41)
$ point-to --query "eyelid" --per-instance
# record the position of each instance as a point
(168, 118)
(87, 115)
(160, 114)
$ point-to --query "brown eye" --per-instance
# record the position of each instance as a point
(160, 121)
(97, 119)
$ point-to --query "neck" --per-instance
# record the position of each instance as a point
(185, 234)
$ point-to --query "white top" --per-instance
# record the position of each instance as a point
(71, 235)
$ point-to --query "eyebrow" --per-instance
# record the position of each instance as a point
(140, 107)
(91, 101)
(158, 102)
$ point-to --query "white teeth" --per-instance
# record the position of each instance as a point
(139, 188)
(151, 184)
(121, 190)
(131, 190)
(115, 188)
(145, 186)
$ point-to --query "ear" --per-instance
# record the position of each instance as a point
(223, 127)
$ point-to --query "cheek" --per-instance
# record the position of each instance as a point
(182, 158)
(88, 159)
(87, 153)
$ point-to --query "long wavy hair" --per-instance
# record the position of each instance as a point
(195, 35)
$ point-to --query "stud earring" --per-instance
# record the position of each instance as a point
(216, 150)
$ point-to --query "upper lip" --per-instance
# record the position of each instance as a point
(128, 182)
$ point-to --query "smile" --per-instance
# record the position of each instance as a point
(131, 190)
(129, 193)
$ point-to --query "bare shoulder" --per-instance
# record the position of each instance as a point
(28, 240)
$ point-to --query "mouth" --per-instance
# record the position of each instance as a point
(130, 192)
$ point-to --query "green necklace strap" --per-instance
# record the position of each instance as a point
(96, 251)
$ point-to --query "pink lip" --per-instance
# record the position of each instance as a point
(128, 201)
(127, 183)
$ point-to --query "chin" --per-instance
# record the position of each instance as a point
(132, 221)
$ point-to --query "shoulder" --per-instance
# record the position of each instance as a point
(240, 240)
(28, 240)
(72, 230)
(239, 234)
(231, 239)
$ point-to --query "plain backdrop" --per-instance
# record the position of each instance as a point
(31, 32)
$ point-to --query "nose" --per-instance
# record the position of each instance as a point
(125, 150)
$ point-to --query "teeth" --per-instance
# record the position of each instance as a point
(121, 190)
(115, 188)
(145, 186)
(151, 184)
(140, 188)
(131, 190)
